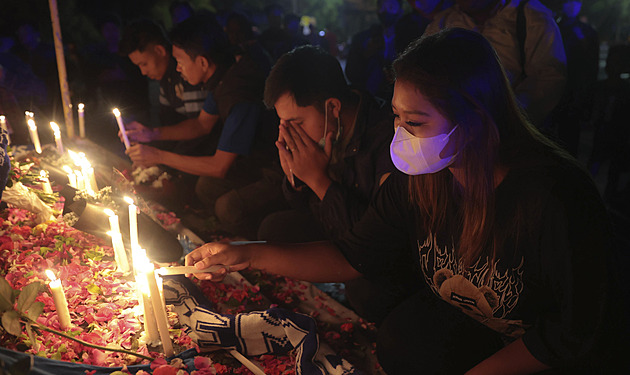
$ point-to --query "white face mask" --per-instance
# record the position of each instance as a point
(322, 141)
(414, 156)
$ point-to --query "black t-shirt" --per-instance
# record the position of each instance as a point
(549, 286)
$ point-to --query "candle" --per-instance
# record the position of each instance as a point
(182, 270)
(57, 134)
(3, 124)
(133, 223)
(146, 268)
(120, 254)
(43, 177)
(28, 116)
(81, 111)
(117, 242)
(32, 128)
(140, 263)
(121, 126)
(72, 179)
(59, 297)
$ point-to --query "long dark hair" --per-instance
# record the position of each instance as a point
(459, 72)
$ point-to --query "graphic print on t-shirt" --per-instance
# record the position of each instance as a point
(483, 291)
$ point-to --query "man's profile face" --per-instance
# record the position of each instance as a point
(153, 61)
(192, 70)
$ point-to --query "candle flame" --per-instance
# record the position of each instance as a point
(141, 262)
(81, 106)
(109, 212)
(51, 275)
(128, 200)
(116, 112)
(43, 174)
(31, 124)
(54, 127)
(67, 169)
(2, 118)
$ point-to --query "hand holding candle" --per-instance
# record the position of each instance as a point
(121, 126)
(59, 297)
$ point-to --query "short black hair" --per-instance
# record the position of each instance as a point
(201, 35)
(310, 74)
(141, 34)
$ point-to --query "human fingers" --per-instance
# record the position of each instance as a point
(300, 139)
(289, 141)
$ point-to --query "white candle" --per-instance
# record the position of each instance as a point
(160, 314)
(72, 179)
(81, 111)
(79, 179)
(120, 254)
(117, 242)
(57, 134)
(3, 124)
(121, 126)
(32, 128)
(59, 297)
(133, 223)
(140, 263)
(43, 176)
(182, 270)
(146, 268)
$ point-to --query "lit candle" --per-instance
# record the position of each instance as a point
(121, 126)
(140, 262)
(32, 128)
(158, 305)
(28, 116)
(59, 297)
(117, 242)
(81, 111)
(72, 179)
(3, 124)
(57, 134)
(43, 177)
(133, 223)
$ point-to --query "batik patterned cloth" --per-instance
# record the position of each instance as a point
(273, 331)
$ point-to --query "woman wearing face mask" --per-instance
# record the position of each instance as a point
(507, 232)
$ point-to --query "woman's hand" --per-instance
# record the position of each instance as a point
(234, 257)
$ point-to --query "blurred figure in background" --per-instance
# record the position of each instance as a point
(581, 45)
(372, 52)
(412, 25)
(180, 10)
(528, 42)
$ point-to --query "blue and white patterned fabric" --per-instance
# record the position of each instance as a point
(273, 331)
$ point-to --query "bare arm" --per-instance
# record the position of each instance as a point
(514, 359)
(314, 261)
(216, 165)
(188, 129)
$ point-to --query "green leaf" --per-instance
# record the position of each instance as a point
(35, 310)
(28, 295)
(6, 295)
(94, 289)
(11, 322)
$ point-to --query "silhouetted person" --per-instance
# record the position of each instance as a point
(581, 45)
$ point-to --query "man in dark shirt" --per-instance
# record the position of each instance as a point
(146, 45)
(233, 111)
(333, 147)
